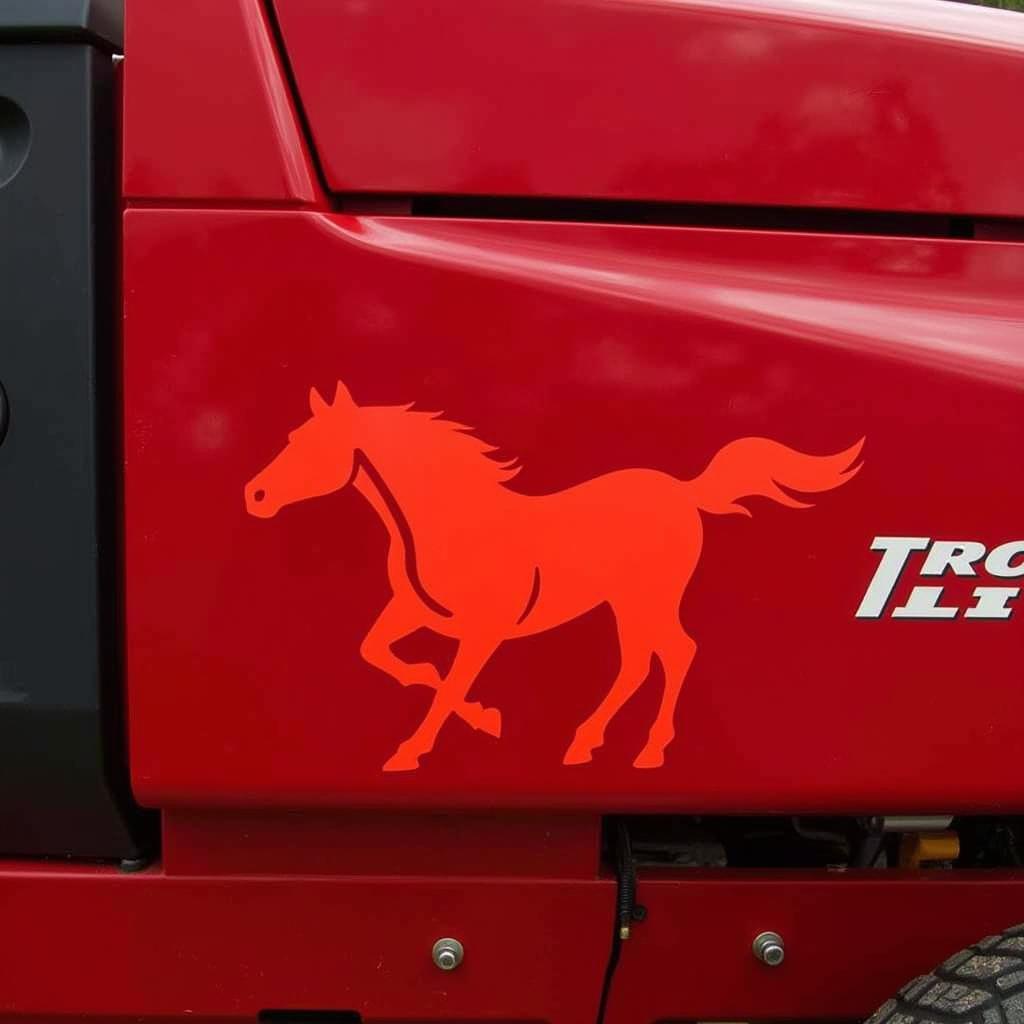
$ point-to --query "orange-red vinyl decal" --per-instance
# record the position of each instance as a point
(471, 559)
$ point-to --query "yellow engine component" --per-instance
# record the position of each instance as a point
(919, 848)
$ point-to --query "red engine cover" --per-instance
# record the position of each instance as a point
(584, 351)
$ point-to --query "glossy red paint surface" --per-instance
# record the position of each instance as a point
(582, 349)
(794, 102)
(207, 112)
(295, 873)
(156, 947)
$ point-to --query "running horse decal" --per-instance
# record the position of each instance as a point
(471, 559)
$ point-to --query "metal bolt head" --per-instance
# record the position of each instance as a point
(448, 954)
(769, 948)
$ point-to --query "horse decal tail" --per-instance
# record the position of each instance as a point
(757, 467)
(472, 558)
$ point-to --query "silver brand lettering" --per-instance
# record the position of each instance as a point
(943, 558)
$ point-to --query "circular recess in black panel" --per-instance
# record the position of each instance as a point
(15, 138)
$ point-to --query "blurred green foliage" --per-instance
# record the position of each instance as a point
(1003, 5)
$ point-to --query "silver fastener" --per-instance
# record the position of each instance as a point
(769, 948)
(448, 954)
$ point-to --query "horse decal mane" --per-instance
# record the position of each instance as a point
(630, 539)
(464, 454)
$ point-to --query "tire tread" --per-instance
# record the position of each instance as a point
(983, 984)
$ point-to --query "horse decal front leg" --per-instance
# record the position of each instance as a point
(400, 619)
(449, 698)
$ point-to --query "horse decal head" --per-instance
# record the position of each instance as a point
(318, 459)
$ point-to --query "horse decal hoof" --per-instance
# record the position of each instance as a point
(578, 755)
(490, 722)
(444, 498)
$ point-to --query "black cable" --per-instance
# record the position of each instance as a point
(625, 909)
(609, 973)
(626, 901)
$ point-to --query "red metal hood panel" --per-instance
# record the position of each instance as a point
(871, 104)
(207, 112)
(586, 351)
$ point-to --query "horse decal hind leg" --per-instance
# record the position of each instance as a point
(471, 558)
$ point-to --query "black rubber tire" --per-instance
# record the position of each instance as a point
(983, 984)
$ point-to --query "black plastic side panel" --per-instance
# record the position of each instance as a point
(63, 776)
(100, 22)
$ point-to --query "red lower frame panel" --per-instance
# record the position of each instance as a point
(99, 945)
(852, 941)
(107, 946)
